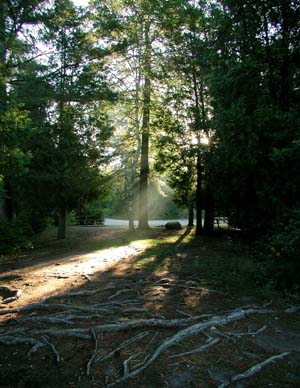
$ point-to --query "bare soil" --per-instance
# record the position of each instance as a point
(99, 310)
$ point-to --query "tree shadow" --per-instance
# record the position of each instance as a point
(178, 276)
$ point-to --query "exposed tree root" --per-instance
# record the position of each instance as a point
(122, 346)
(92, 359)
(202, 348)
(249, 333)
(80, 293)
(184, 333)
(38, 323)
(294, 309)
(12, 340)
(120, 292)
(111, 327)
(187, 285)
(52, 346)
(43, 306)
(59, 306)
(254, 369)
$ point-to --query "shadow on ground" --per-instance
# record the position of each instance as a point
(170, 275)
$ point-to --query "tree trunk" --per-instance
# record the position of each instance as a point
(144, 171)
(61, 232)
(271, 79)
(199, 193)
(130, 214)
(6, 204)
(137, 151)
(209, 211)
(285, 65)
(9, 209)
(197, 125)
(191, 216)
(130, 195)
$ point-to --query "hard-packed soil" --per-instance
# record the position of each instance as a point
(151, 309)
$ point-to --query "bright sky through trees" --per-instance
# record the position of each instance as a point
(80, 2)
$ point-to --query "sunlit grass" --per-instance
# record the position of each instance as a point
(147, 263)
(153, 265)
(158, 252)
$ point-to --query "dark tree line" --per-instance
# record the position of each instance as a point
(255, 89)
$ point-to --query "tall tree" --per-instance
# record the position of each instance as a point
(187, 54)
(75, 132)
(175, 156)
(16, 47)
(144, 169)
(139, 30)
(254, 87)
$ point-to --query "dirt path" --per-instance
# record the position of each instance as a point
(46, 273)
(66, 272)
(150, 310)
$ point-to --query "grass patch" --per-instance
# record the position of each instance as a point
(161, 252)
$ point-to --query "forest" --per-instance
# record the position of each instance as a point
(107, 105)
(144, 110)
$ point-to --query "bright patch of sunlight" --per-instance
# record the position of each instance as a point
(81, 3)
(143, 244)
(57, 276)
(147, 262)
(204, 139)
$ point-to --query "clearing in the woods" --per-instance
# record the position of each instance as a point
(150, 309)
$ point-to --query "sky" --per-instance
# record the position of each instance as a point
(80, 2)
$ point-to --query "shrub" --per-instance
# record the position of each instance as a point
(15, 236)
(280, 252)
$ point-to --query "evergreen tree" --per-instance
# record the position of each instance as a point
(76, 123)
(254, 87)
(16, 47)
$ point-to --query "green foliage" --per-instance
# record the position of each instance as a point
(53, 122)
(175, 156)
(255, 161)
(93, 209)
(282, 249)
(16, 235)
(272, 262)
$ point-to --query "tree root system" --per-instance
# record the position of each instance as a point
(123, 338)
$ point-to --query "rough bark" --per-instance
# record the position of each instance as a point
(209, 211)
(138, 148)
(7, 209)
(144, 170)
(199, 193)
(285, 65)
(191, 216)
(199, 156)
(61, 231)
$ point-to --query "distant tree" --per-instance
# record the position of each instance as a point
(186, 73)
(138, 21)
(66, 162)
(176, 158)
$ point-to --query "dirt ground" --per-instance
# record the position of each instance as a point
(155, 309)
